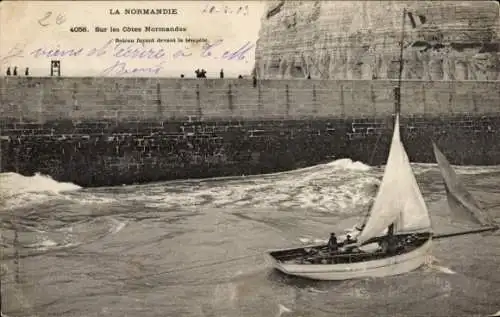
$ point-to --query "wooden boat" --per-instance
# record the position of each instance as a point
(399, 208)
(407, 216)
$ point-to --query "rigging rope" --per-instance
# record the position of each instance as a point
(375, 148)
(367, 214)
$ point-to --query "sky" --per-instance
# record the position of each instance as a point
(222, 33)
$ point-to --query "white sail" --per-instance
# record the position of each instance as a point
(399, 199)
(462, 204)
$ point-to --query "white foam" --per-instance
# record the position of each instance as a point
(444, 269)
(495, 314)
(13, 183)
(43, 245)
(282, 309)
(117, 226)
(19, 190)
(350, 165)
(472, 170)
(314, 188)
(460, 169)
(430, 261)
(314, 290)
(89, 199)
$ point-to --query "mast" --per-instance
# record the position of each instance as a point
(397, 97)
(397, 89)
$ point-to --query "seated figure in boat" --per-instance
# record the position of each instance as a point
(333, 245)
(389, 243)
(348, 240)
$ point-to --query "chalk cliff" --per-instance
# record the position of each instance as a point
(445, 40)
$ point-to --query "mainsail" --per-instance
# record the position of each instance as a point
(463, 206)
(399, 200)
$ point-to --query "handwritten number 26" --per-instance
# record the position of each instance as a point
(60, 19)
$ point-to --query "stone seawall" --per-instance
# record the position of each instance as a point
(110, 131)
(32, 99)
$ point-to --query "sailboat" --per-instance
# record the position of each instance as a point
(399, 209)
(462, 205)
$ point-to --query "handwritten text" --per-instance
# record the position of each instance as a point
(211, 8)
(48, 19)
(121, 68)
(16, 51)
(239, 54)
(144, 51)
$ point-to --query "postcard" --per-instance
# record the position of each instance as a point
(249, 158)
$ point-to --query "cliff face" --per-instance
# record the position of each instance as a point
(445, 40)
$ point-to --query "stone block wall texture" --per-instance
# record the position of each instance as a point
(111, 131)
(31, 99)
(445, 40)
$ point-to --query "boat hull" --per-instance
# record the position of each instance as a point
(394, 265)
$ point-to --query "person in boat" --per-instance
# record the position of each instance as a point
(332, 243)
(348, 240)
(389, 243)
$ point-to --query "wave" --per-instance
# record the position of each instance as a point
(341, 185)
(337, 185)
(13, 183)
(71, 235)
(348, 164)
(18, 190)
(431, 263)
(420, 168)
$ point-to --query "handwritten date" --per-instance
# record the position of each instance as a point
(210, 8)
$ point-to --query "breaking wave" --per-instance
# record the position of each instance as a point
(13, 183)
(338, 185)
(19, 190)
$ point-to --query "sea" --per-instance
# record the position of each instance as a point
(197, 247)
